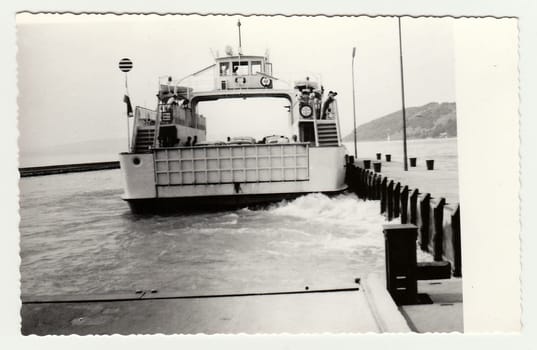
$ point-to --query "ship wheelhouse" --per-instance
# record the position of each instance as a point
(243, 72)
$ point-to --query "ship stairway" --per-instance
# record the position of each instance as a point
(327, 134)
(144, 140)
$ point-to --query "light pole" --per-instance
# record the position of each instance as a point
(402, 95)
(354, 103)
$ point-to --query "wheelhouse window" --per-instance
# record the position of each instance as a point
(224, 68)
(256, 67)
(240, 68)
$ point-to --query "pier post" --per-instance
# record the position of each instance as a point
(456, 240)
(349, 176)
(366, 184)
(383, 194)
(377, 166)
(404, 205)
(389, 200)
(377, 186)
(438, 238)
(358, 178)
(425, 210)
(414, 206)
(361, 183)
(401, 262)
(397, 200)
(371, 185)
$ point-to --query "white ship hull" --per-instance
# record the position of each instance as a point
(215, 177)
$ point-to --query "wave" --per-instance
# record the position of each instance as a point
(344, 208)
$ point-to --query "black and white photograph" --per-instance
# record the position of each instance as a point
(240, 174)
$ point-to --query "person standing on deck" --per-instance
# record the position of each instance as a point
(328, 103)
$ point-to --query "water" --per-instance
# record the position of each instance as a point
(79, 238)
(443, 151)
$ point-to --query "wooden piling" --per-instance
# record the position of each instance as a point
(404, 205)
(456, 240)
(383, 194)
(378, 179)
(397, 200)
(438, 238)
(425, 209)
(389, 200)
(414, 207)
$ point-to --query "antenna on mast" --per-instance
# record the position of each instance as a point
(240, 43)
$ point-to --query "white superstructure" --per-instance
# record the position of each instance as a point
(171, 166)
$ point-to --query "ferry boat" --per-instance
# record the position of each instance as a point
(171, 166)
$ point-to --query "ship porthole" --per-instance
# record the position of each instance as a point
(136, 161)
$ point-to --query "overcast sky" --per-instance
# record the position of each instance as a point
(70, 88)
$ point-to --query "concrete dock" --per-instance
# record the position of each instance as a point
(337, 311)
(367, 308)
(446, 312)
(440, 182)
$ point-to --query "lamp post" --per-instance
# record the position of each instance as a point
(354, 103)
(402, 95)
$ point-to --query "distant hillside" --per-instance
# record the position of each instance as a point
(431, 120)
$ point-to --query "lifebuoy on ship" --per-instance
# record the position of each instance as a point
(306, 111)
(266, 82)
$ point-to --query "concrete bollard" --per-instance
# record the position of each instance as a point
(401, 262)
(430, 164)
(377, 166)
(388, 157)
(413, 161)
(367, 164)
(379, 156)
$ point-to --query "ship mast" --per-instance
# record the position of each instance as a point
(240, 43)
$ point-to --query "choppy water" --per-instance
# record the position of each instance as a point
(78, 238)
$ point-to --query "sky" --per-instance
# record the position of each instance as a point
(71, 90)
